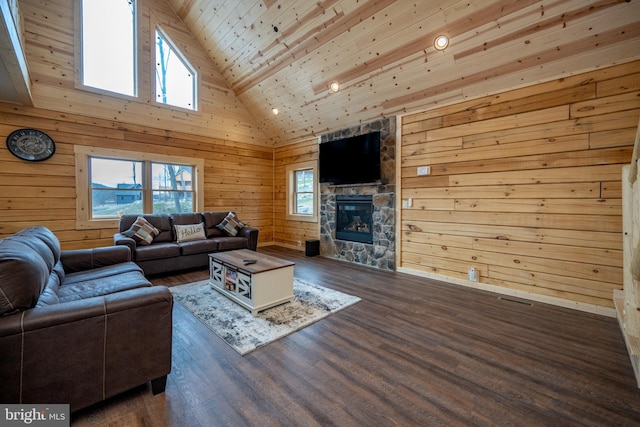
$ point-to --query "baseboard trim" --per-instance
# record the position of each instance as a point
(561, 302)
(632, 342)
(284, 245)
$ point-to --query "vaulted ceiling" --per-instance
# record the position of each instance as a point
(284, 53)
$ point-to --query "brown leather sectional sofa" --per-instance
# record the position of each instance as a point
(78, 326)
(165, 253)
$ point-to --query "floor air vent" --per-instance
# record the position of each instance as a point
(516, 301)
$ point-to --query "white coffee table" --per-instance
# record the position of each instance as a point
(256, 287)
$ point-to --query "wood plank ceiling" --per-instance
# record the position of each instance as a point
(284, 53)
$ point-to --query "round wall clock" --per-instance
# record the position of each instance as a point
(31, 144)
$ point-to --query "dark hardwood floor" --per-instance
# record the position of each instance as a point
(412, 352)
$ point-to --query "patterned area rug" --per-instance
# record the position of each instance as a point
(244, 332)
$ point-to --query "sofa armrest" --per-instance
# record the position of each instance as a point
(88, 259)
(119, 239)
(252, 235)
(64, 314)
(85, 351)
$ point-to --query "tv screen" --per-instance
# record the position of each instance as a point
(353, 160)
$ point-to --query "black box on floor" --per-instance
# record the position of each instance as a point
(312, 247)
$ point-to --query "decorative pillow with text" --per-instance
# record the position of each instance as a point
(186, 233)
(231, 224)
(142, 231)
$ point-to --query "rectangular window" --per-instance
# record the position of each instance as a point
(302, 185)
(172, 188)
(111, 183)
(303, 192)
(119, 187)
(109, 45)
(116, 187)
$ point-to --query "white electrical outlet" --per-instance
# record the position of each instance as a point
(424, 170)
(405, 204)
(410, 202)
(473, 274)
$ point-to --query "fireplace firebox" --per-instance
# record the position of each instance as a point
(354, 218)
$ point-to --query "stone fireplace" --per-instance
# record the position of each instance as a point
(346, 211)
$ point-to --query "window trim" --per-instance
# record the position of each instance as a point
(83, 186)
(290, 173)
(79, 59)
(184, 60)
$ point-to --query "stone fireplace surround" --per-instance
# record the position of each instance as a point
(381, 253)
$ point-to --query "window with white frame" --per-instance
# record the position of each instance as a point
(109, 45)
(175, 77)
(112, 183)
(302, 191)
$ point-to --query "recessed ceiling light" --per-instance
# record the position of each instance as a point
(334, 87)
(275, 111)
(441, 42)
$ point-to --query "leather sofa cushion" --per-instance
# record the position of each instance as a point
(23, 276)
(231, 243)
(42, 241)
(59, 270)
(199, 246)
(157, 251)
(50, 294)
(186, 218)
(211, 220)
(104, 286)
(101, 272)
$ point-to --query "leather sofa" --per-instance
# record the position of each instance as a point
(80, 326)
(165, 252)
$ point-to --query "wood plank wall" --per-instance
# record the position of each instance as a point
(53, 55)
(286, 232)
(524, 186)
(237, 155)
(238, 176)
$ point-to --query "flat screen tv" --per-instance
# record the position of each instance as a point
(352, 160)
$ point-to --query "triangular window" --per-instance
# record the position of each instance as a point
(175, 77)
